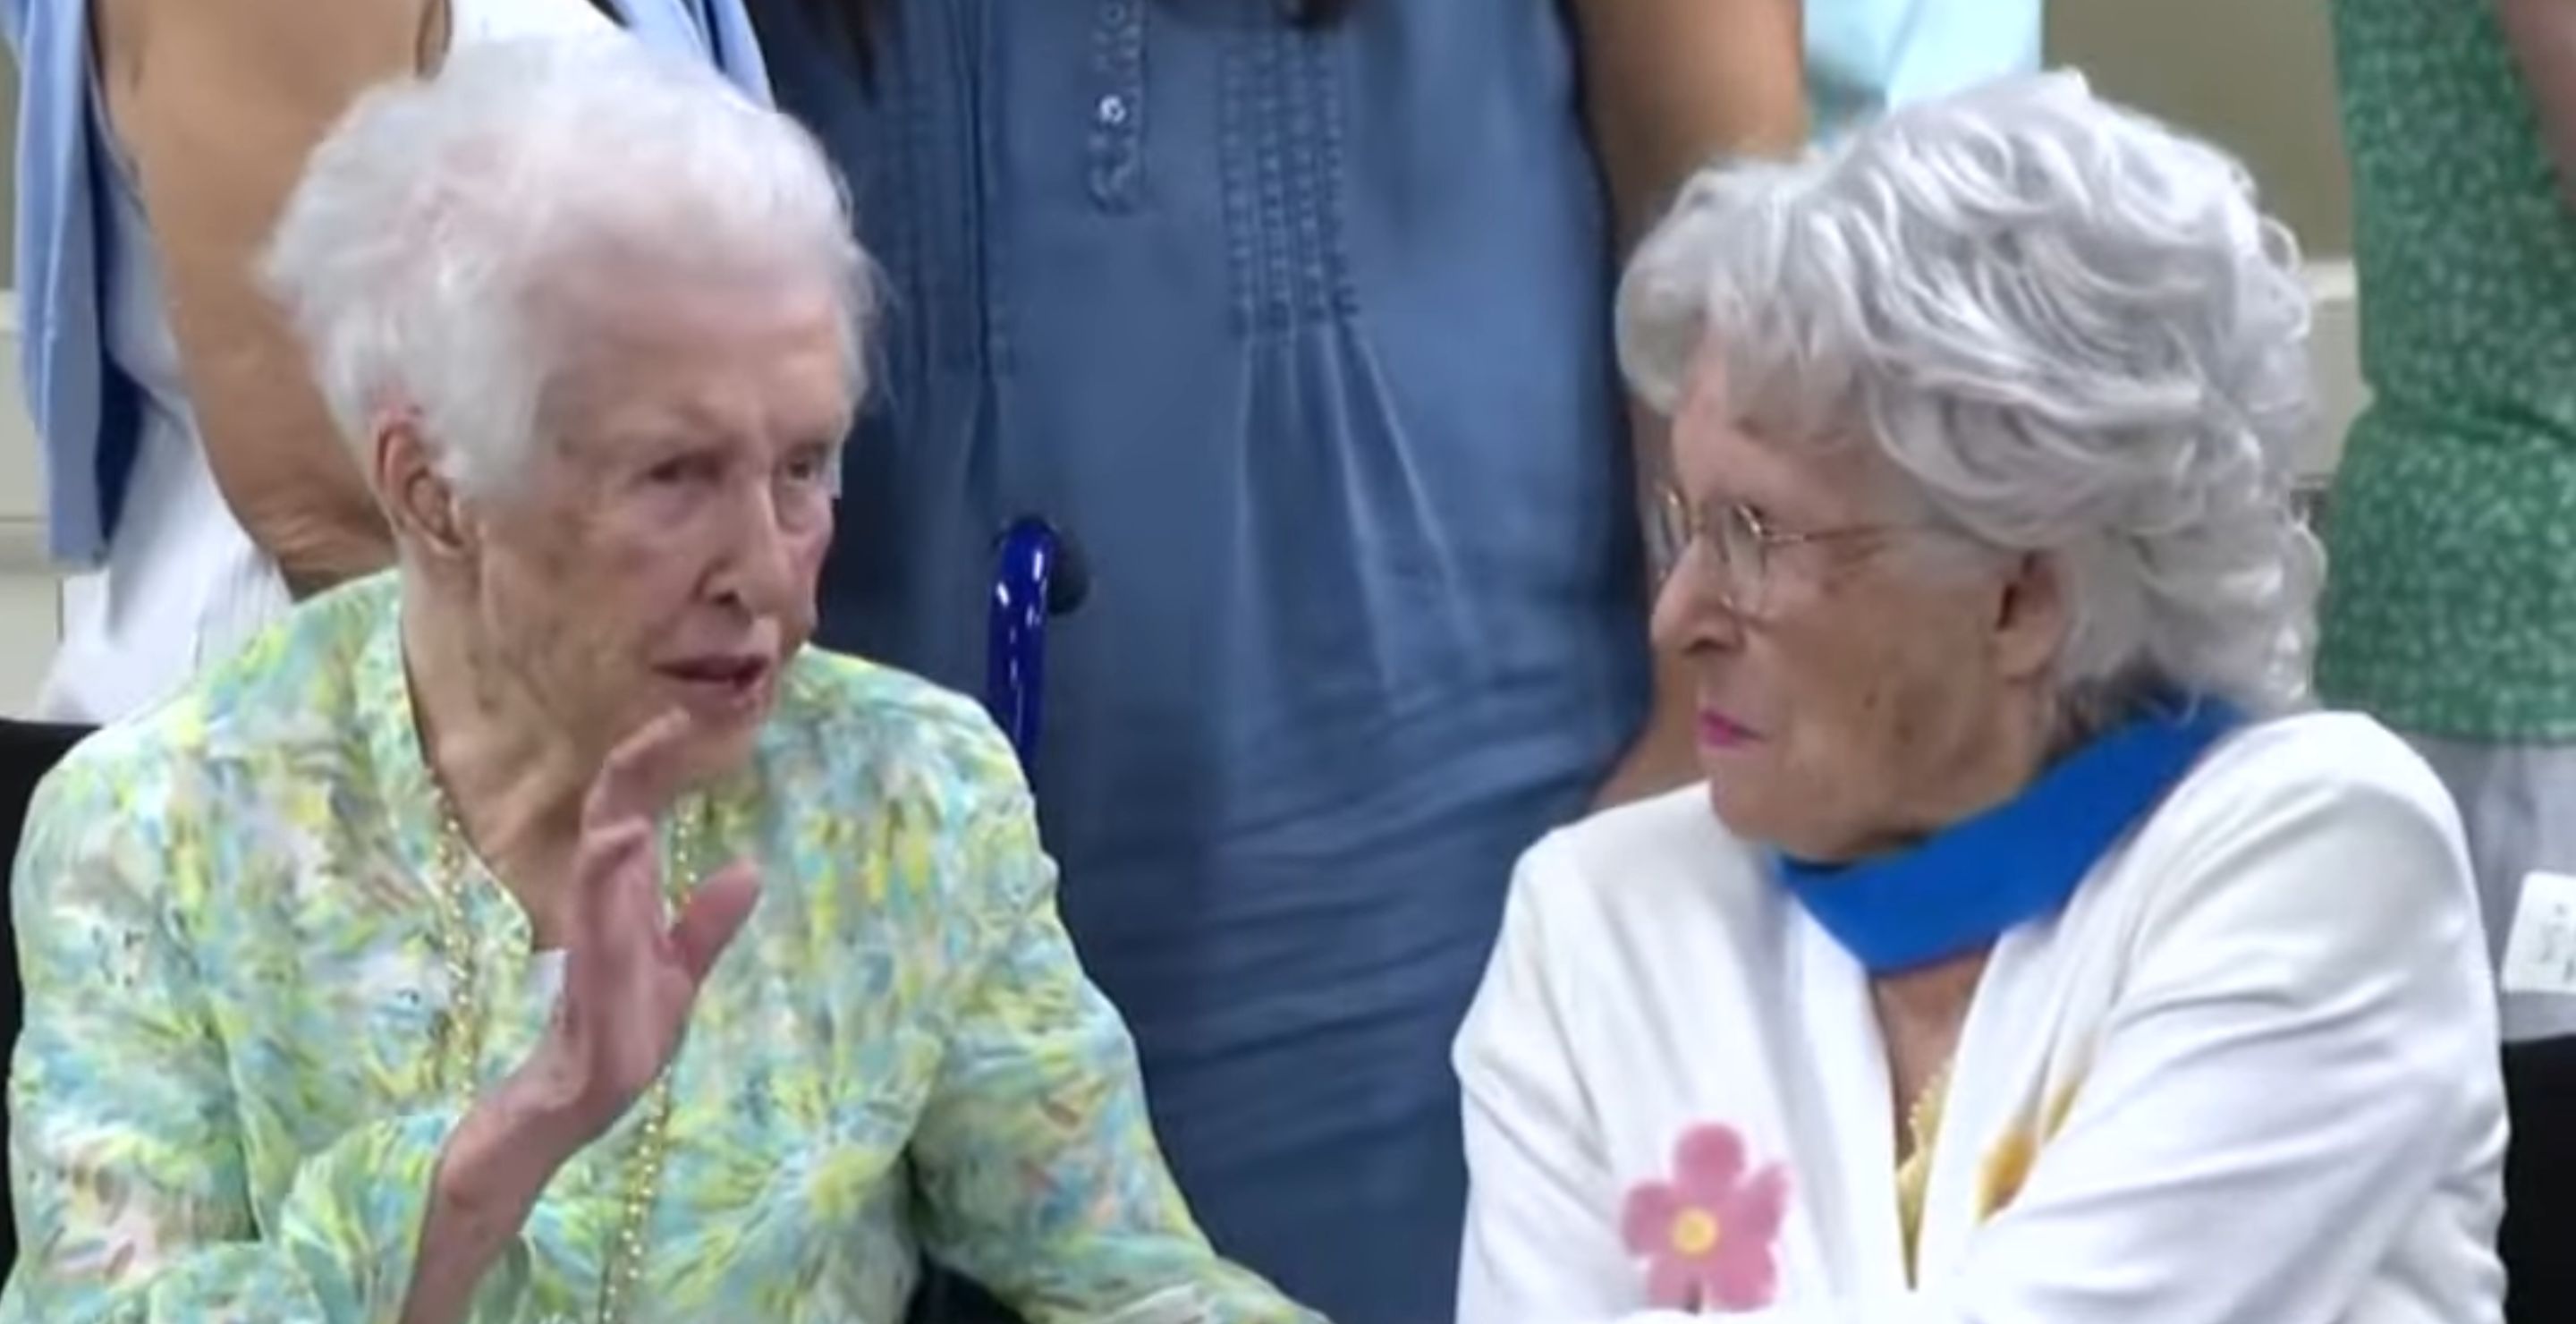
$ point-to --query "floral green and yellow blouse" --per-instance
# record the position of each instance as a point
(229, 1094)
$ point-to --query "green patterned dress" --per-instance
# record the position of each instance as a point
(229, 1094)
(2450, 609)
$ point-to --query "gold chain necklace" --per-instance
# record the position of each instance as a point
(461, 1047)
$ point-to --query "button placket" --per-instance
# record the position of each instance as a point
(1117, 108)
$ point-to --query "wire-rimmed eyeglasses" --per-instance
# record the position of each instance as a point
(1739, 542)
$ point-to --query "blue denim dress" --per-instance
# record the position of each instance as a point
(1303, 335)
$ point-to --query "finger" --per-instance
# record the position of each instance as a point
(607, 868)
(640, 777)
(607, 852)
(713, 914)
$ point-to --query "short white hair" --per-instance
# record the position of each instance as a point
(2068, 325)
(417, 252)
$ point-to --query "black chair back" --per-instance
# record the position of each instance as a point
(28, 750)
(2539, 1241)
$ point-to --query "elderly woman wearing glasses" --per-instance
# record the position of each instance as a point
(2030, 953)
(543, 932)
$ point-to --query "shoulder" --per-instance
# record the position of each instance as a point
(2321, 839)
(1634, 853)
(896, 732)
(142, 810)
(1652, 876)
(2313, 777)
(910, 784)
(907, 793)
(303, 690)
(285, 708)
(118, 820)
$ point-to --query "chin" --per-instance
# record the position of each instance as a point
(725, 730)
(1755, 816)
(1740, 818)
(719, 753)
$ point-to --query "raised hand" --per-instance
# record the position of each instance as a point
(630, 980)
(631, 976)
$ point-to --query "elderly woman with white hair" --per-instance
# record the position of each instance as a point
(2031, 954)
(351, 992)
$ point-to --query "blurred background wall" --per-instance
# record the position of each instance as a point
(2257, 75)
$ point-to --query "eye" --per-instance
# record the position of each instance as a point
(685, 470)
(808, 464)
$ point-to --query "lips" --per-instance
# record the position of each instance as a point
(1718, 731)
(722, 681)
(719, 670)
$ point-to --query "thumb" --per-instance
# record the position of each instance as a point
(713, 914)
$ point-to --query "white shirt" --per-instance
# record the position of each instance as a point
(2251, 1066)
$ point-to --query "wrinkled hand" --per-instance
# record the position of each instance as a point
(631, 977)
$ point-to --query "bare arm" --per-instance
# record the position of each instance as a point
(489, 1177)
(217, 103)
(2543, 35)
(1671, 85)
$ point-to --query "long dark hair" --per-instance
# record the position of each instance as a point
(853, 22)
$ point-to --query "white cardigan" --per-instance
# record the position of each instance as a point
(2247, 1077)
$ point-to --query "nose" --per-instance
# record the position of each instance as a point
(1690, 614)
(758, 573)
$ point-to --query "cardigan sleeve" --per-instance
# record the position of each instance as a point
(127, 1167)
(1542, 1246)
(1035, 1159)
(2305, 1035)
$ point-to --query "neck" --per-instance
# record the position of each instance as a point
(513, 780)
(1930, 1000)
(1920, 1016)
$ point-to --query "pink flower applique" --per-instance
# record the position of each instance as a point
(1708, 1234)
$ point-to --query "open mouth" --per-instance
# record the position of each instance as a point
(722, 681)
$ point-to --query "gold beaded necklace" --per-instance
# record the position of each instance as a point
(461, 1048)
(1914, 1173)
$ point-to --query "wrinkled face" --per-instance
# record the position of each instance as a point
(664, 550)
(1851, 682)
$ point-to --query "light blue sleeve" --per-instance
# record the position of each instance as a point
(716, 30)
(1865, 57)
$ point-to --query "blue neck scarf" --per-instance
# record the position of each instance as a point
(1962, 889)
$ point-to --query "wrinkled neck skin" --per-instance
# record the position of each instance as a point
(1920, 1014)
(513, 778)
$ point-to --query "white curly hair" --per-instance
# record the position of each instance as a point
(422, 250)
(2068, 325)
